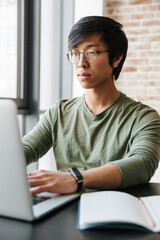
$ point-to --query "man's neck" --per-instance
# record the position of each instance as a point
(98, 101)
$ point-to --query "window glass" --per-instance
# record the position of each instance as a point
(50, 54)
(20, 123)
(8, 48)
(47, 162)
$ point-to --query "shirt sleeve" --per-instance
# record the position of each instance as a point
(39, 140)
(143, 157)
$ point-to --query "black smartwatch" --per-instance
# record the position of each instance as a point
(78, 176)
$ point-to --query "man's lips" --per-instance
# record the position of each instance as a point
(84, 76)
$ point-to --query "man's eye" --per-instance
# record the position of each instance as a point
(92, 52)
(74, 54)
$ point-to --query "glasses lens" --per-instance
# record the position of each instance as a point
(73, 57)
(91, 55)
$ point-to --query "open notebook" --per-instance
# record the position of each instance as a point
(16, 200)
(115, 209)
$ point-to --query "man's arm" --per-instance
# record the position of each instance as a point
(105, 177)
(39, 140)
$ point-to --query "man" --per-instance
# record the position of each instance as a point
(111, 140)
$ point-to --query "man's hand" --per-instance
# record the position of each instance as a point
(53, 182)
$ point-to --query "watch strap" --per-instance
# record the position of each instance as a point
(78, 177)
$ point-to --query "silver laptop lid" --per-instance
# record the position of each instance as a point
(15, 200)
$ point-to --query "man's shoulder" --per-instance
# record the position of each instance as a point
(69, 103)
(62, 107)
(127, 101)
(66, 105)
(139, 109)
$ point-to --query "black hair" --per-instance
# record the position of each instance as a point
(111, 34)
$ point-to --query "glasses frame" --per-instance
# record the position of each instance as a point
(84, 53)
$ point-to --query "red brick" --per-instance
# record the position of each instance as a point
(131, 62)
(127, 9)
(151, 23)
(155, 62)
(153, 83)
(150, 38)
(129, 69)
(155, 38)
(110, 11)
(134, 31)
(154, 30)
(138, 46)
(153, 98)
(139, 1)
(132, 39)
(150, 8)
(134, 91)
(158, 15)
(143, 76)
(142, 16)
(149, 69)
(123, 84)
(112, 3)
(121, 18)
(150, 54)
(131, 24)
(140, 79)
(132, 54)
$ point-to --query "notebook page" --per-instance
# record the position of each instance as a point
(153, 205)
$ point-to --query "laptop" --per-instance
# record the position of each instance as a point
(15, 197)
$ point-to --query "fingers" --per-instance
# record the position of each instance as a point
(41, 175)
(38, 178)
(37, 173)
(41, 181)
(35, 183)
(39, 189)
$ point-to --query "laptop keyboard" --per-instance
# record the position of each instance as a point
(38, 199)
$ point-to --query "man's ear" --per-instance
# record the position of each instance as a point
(116, 62)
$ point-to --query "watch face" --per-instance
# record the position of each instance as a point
(77, 175)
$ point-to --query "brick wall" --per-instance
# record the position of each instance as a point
(140, 78)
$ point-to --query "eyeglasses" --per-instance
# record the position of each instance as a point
(90, 56)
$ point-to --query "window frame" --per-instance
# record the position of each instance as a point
(22, 87)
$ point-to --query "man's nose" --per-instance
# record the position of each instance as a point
(82, 60)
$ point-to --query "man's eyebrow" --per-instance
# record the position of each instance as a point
(90, 45)
(93, 45)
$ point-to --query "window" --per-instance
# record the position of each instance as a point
(33, 66)
(13, 84)
(8, 48)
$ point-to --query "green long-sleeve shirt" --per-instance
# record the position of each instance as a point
(126, 134)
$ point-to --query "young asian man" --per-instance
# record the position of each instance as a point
(103, 139)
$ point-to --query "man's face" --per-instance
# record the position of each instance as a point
(98, 73)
